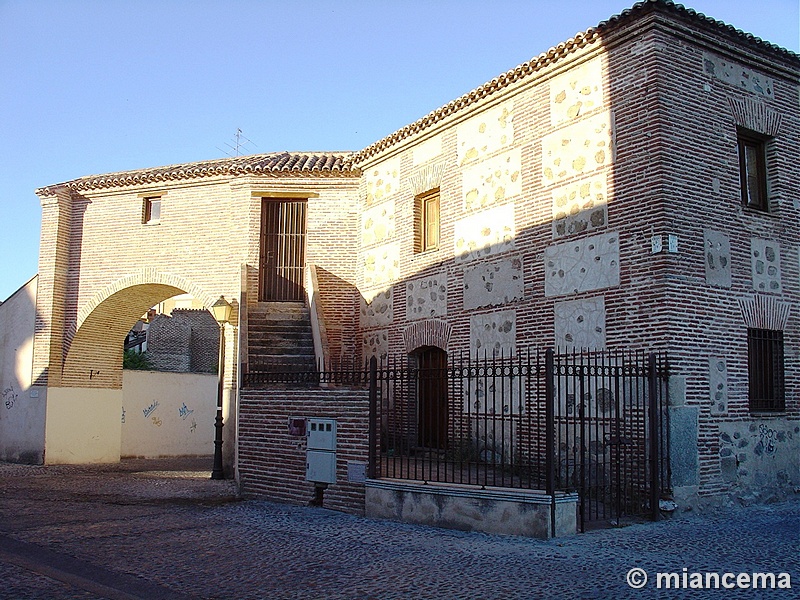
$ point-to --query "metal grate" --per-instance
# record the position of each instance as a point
(765, 370)
(283, 241)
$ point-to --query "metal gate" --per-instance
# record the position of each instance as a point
(610, 437)
(594, 423)
(283, 242)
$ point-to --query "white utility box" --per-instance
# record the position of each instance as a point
(321, 466)
(321, 450)
(321, 434)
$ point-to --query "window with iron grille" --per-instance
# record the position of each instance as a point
(426, 221)
(765, 370)
(752, 149)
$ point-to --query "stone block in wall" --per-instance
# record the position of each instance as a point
(580, 206)
(377, 224)
(492, 180)
(577, 150)
(576, 92)
(718, 385)
(493, 333)
(494, 284)
(381, 265)
(581, 324)
(738, 75)
(761, 456)
(382, 180)
(426, 297)
(765, 258)
(485, 233)
(717, 258)
(375, 343)
(485, 133)
(582, 265)
(683, 431)
(378, 310)
(427, 150)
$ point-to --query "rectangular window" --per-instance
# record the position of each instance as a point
(765, 370)
(426, 221)
(753, 170)
(152, 210)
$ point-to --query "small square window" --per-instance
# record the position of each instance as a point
(752, 150)
(426, 221)
(765, 370)
(152, 210)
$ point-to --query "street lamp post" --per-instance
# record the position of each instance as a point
(222, 313)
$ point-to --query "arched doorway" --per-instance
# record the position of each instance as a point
(432, 396)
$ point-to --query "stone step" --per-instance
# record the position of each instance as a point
(279, 337)
(277, 311)
(256, 350)
(276, 363)
(282, 325)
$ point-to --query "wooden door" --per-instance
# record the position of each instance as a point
(432, 397)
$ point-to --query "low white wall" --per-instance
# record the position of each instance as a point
(471, 508)
(22, 408)
(168, 414)
(82, 426)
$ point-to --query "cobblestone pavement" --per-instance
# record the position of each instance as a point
(163, 529)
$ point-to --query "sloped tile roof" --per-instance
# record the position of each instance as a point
(329, 164)
(345, 164)
(580, 40)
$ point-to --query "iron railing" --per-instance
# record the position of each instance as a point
(594, 423)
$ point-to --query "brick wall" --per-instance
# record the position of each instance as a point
(272, 462)
(669, 167)
(185, 341)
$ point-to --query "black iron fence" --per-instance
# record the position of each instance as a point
(594, 423)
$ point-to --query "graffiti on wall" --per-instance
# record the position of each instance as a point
(184, 412)
(149, 410)
(10, 397)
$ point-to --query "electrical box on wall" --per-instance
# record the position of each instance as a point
(321, 466)
(321, 450)
(322, 434)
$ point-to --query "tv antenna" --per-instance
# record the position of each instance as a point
(239, 146)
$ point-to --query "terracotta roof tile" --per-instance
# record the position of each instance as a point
(554, 54)
(275, 163)
(345, 164)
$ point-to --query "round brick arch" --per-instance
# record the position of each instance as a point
(94, 355)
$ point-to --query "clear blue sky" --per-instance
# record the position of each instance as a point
(96, 86)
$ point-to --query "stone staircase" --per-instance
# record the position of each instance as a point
(279, 337)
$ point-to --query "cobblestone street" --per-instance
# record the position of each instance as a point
(163, 529)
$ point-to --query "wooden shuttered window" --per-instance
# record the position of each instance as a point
(426, 221)
(753, 170)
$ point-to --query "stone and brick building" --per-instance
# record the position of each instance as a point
(633, 187)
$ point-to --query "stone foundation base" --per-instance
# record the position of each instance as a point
(530, 513)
